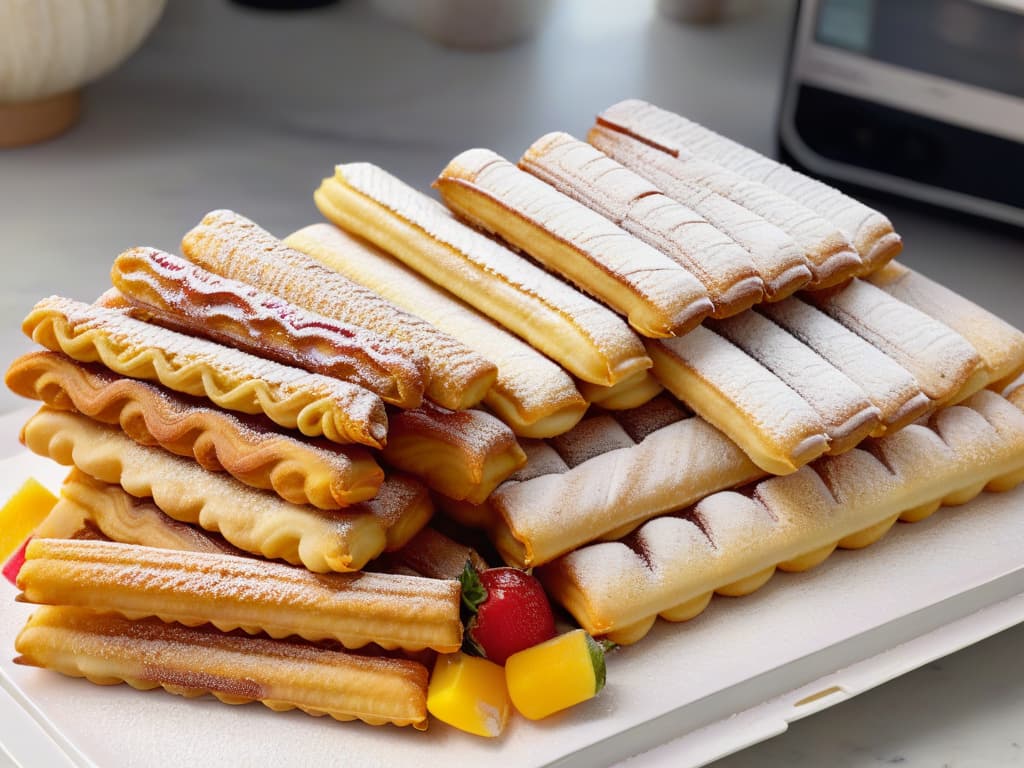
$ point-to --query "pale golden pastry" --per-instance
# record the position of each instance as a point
(605, 477)
(188, 298)
(844, 408)
(944, 363)
(254, 595)
(254, 521)
(117, 515)
(323, 474)
(462, 454)
(870, 231)
(313, 404)
(774, 425)
(532, 394)
(658, 296)
(629, 393)
(830, 255)
(191, 662)
(232, 246)
(1000, 345)
(587, 339)
(732, 542)
(889, 386)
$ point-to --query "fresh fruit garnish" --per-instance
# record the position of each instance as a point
(22, 514)
(508, 611)
(556, 674)
(13, 566)
(469, 693)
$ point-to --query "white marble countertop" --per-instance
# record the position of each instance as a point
(231, 108)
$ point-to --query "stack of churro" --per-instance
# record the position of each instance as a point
(654, 365)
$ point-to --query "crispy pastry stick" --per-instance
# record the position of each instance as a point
(188, 298)
(191, 662)
(584, 173)
(325, 475)
(231, 592)
(944, 363)
(870, 231)
(313, 404)
(775, 426)
(731, 543)
(462, 454)
(254, 521)
(1000, 345)
(532, 394)
(658, 296)
(830, 255)
(628, 393)
(232, 246)
(585, 338)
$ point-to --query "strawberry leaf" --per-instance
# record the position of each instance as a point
(473, 591)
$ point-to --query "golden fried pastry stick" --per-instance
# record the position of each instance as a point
(584, 173)
(889, 386)
(631, 392)
(232, 246)
(869, 230)
(188, 298)
(313, 404)
(605, 477)
(944, 363)
(844, 408)
(776, 427)
(254, 521)
(323, 474)
(431, 554)
(830, 255)
(587, 339)
(462, 454)
(1000, 345)
(731, 543)
(87, 502)
(532, 394)
(191, 662)
(658, 296)
(231, 592)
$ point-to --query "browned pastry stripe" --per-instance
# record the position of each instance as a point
(232, 246)
(188, 298)
(325, 475)
(191, 662)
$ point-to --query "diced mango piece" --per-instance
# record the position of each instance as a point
(555, 675)
(469, 693)
(22, 514)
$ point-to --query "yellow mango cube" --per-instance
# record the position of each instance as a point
(469, 693)
(555, 675)
(22, 514)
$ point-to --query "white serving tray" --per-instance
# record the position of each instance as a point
(692, 692)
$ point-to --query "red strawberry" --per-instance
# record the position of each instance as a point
(509, 610)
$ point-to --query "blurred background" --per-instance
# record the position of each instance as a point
(228, 106)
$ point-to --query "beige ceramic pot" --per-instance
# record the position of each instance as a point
(49, 49)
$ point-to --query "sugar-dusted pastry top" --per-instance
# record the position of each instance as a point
(658, 296)
(870, 231)
(584, 173)
(313, 404)
(231, 592)
(323, 474)
(585, 338)
(461, 454)
(188, 298)
(608, 475)
(830, 255)
(191, 661)
(232, 246)
(732, 542)
(532, 394)
(254, 521)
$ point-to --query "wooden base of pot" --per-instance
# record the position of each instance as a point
(29, 122)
